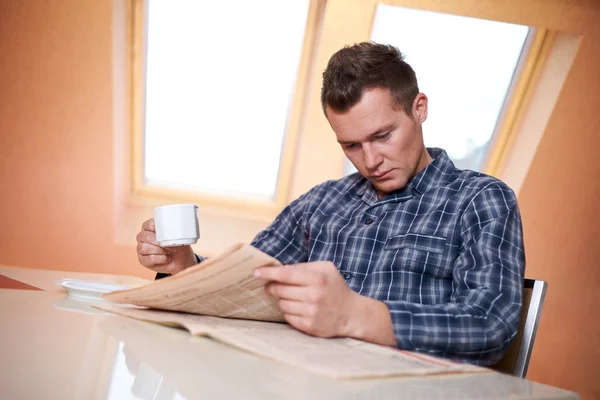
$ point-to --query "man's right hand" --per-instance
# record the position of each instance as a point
(166, 260)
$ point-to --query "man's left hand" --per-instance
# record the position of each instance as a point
(313, 297)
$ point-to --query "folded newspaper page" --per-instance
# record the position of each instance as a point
(223, 286)
(341, 358)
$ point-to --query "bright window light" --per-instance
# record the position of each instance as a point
(220, 78)
(465, 66)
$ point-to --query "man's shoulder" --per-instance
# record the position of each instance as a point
(485, 190)
(476, 182)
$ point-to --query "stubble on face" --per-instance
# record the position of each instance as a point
(398, 156)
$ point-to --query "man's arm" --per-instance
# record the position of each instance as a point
(482, 318)
(478, 323)
(285, 238)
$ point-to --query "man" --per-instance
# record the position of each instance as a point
(409, 252)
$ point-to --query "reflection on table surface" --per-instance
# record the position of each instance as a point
(56, 349)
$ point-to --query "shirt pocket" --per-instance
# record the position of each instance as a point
(421, 253)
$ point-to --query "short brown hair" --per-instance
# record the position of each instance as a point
(367, 65)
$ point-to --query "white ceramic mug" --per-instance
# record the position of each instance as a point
(176, 225)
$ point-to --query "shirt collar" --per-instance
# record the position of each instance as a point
(435, 174)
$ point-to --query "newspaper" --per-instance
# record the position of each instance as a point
(341, 358)
(223, 286)
(222, 299)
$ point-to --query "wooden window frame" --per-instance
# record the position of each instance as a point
(518, 95)
(263, 209)
(310, 153)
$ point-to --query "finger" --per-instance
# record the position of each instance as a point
(300, 322)
(298, 308)
(159, 259)
(154, 261)
(147, 237)
(291, 292)
(143, 236)
(290, 274)
(147, 249)
(148, 225)
(145, 261)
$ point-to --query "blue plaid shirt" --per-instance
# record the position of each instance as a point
(445, 254)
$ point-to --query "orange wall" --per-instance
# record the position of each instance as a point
(56, 169)
(560, 202)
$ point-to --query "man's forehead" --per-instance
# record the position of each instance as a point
(368, 116)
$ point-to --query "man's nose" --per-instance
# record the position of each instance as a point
(371, 157)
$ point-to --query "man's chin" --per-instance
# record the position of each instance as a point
(389, 187)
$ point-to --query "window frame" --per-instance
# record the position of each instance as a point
(539, 43)
(138, 13)
(310, 154)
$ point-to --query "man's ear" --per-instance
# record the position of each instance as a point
(419, 110)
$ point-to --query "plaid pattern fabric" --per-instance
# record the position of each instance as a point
(445, 254)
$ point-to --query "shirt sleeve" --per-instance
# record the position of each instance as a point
(286, 239)
(482, 317)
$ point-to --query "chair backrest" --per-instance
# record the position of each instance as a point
(516, 359)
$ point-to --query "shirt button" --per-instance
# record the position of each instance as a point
(347, 275)
(368, 221)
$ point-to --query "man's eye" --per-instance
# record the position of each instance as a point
(350, 146)
(385, 136)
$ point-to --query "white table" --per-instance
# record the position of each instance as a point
(56, 347)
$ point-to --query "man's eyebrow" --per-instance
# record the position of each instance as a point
(383, 129)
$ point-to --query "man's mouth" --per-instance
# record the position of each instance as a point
(380, 176)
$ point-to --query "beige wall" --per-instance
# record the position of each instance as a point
(59, 204)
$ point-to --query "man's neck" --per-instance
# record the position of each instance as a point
(424, 161)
